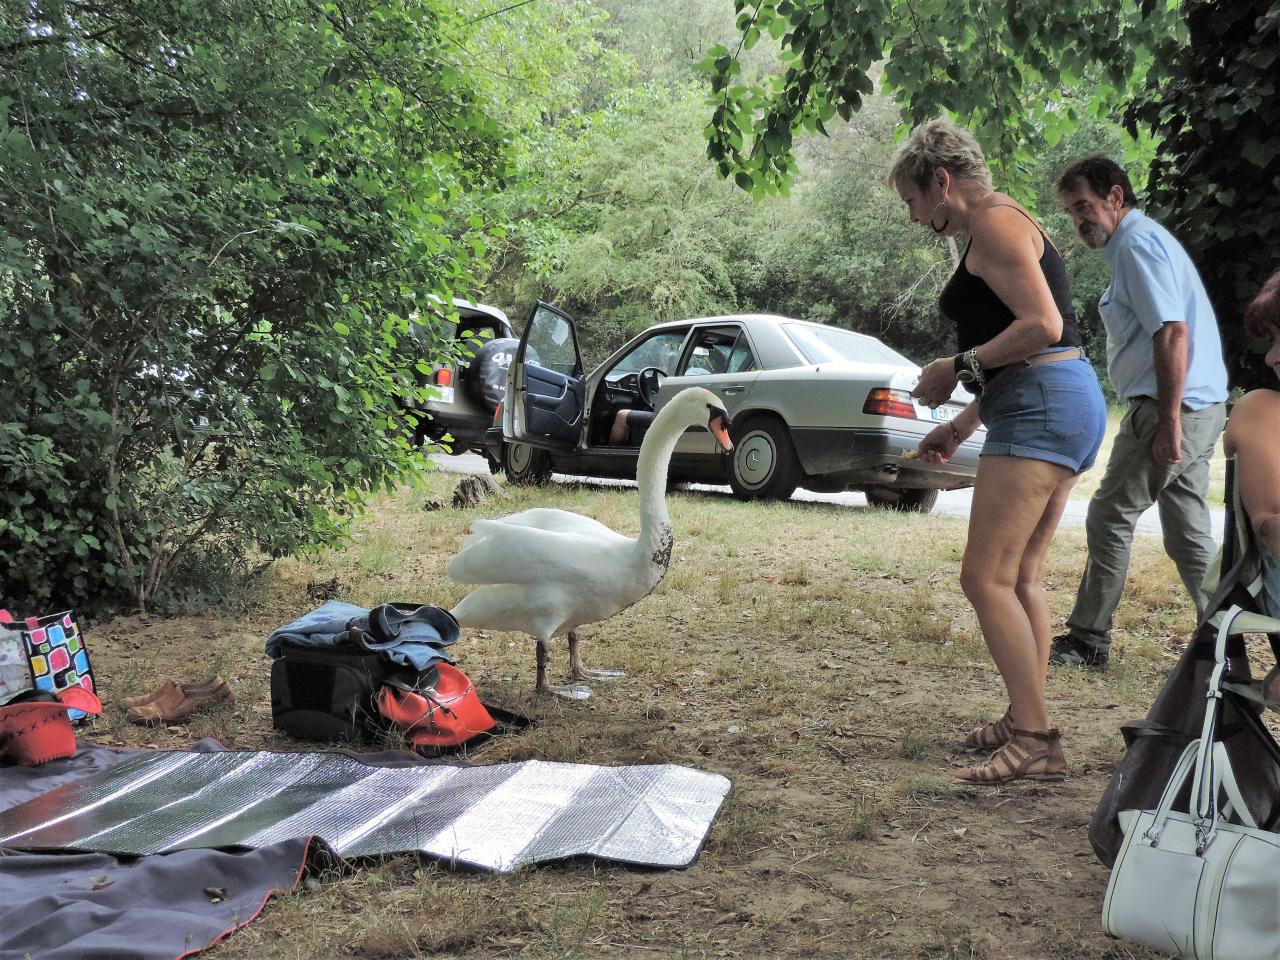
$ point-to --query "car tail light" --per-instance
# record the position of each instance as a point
(890, 403)
(444, 377)
(497, 413)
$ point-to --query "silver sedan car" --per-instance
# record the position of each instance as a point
(813, 406)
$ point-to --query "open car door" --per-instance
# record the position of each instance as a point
(546, 391)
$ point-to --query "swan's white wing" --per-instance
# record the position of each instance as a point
(547, 518)
(500, 552)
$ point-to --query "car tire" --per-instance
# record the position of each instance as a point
(526, 466)
(420, 431)
(905, 500)
(763, 464)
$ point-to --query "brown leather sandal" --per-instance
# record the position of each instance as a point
(1030, 755)
(991, 735)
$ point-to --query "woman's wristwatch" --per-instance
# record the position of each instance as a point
(968, 370)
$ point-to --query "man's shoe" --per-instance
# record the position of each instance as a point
(1068, 651)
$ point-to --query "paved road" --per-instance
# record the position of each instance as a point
(951, 503)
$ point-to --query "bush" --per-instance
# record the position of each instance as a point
(218, 219)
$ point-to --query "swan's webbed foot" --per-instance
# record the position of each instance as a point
(579, 672)
(586, 673)
(570, 691)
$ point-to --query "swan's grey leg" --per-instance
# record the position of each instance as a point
(541, 682)
(575, 691)
(578, 672)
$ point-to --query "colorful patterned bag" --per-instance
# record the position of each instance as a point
(15, 669)
(56, 657)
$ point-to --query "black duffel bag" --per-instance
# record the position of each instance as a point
(327, 693)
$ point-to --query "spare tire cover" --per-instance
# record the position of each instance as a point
(486, 374)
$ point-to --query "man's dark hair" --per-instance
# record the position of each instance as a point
(1100, 174)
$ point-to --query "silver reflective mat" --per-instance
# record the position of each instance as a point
(497, 817)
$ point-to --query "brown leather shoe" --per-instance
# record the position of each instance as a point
(200, 688)
(218, 692)
(171, 706)
(165, 689)
(175, 706)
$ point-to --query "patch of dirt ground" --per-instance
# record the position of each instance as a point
(820, 657)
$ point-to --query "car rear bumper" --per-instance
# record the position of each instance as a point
(874, 455)
(467, 429)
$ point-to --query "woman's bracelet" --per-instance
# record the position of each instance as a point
(968, 369)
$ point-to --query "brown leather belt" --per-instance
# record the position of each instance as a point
(1074, 353)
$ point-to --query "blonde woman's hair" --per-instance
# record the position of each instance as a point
(939, 143)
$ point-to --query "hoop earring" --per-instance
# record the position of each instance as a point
(933, 226)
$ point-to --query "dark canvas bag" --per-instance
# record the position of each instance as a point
(328, 693)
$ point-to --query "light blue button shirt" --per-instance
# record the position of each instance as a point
(1153, 283)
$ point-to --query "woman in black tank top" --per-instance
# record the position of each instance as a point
(1019, 349)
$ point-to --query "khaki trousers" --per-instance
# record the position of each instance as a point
(1131, 484)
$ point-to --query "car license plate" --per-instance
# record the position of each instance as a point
(446, 394)
(943, 413)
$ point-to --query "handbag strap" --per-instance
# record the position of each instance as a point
(1213, 772)
(1181, 770)
(1235, 805)
(1204, 794)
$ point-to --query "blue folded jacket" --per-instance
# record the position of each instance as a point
(407, 635)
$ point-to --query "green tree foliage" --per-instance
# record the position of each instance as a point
(1213, 107)
(615, 215)
(1002, 66)
(217, 216)
(666, 38)
(841, 249)
(1198, 78)
(624, 224)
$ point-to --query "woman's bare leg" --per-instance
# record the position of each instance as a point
(1030, 588)
(1010, 499)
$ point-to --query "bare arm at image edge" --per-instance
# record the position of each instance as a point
(1170, 349)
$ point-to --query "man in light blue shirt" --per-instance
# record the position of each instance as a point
(1164, 358)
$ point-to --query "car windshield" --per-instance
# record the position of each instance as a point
(821, 344)
(659, 351)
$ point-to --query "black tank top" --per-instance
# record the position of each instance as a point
(979, 314)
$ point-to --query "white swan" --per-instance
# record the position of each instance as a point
(545, 572)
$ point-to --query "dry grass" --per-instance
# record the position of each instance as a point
(821, 657)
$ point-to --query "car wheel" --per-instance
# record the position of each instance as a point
(892, 498)
(763, 464)
(526, 465)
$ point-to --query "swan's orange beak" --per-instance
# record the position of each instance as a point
(719, 427)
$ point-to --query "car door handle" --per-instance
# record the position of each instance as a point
(735, 388)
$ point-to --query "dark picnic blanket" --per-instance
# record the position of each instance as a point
(90, 906)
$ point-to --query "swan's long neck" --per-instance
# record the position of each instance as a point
(651, 477)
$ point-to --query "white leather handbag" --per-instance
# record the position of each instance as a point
(1202, 884)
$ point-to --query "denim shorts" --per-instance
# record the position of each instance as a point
(1045, 411)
